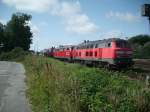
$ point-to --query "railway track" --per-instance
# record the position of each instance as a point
(142, 64)
(140, 70)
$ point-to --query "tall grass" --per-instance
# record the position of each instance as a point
(55, 86)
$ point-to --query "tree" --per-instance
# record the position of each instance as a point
(1, 36)
(146, 50)
(141, 46)
(139, 39)
(18, 32)
(1, 32)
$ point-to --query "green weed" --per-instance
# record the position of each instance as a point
(55, 86)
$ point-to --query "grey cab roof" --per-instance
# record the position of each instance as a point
(100, 41)
(88, 43)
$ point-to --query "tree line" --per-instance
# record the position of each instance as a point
(140, 45)
(16, 33)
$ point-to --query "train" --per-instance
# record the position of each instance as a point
(110, 53)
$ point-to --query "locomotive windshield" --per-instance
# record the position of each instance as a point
(122, 44)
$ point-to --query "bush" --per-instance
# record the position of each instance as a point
(141, 46)
(16, 54)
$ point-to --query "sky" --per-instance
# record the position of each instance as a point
(67, 22)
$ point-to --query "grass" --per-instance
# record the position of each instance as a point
(55, 86)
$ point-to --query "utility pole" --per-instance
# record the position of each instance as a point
(145, 11)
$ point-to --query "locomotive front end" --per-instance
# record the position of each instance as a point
(123, 54)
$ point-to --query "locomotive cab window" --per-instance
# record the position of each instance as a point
(122, 44)
(91, 46)
(96, 45)
(109, 44)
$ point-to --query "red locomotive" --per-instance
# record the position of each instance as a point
(112, 52)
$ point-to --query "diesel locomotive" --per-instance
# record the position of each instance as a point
(113, 52)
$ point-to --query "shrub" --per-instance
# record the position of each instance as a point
(16, 54)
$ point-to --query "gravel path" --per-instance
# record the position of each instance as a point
(12, 88)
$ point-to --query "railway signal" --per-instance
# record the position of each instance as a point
(145, 11)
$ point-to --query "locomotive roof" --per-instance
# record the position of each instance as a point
(65, 46)
(85, 43)
(100, 41)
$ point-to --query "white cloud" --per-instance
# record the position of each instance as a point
(72, 16)
(31, 5)
(129, 17)
(66, 8)
(2, 21)
(80, 24)
(34, 29)
(36, 34)
(74, 19)
(113, 34)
